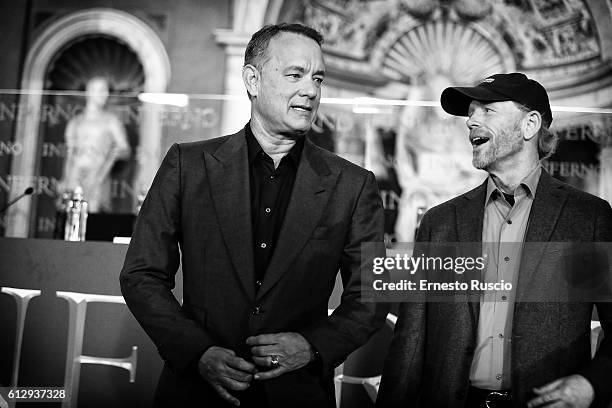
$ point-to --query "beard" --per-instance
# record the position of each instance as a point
(500, 146)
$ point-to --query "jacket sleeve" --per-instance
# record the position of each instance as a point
(354, 321)
(598, 370)
(148, 273)
(401, 376)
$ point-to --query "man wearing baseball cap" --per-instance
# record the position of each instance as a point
(502, 351)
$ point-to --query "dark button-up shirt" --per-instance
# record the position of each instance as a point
(270, 193)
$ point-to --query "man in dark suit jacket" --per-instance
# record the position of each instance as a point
(264, 220)
(528, 348)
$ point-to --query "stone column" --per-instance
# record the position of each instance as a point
(248, 17)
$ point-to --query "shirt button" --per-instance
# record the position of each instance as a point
(504, 297)
(256, 310)
(268, 210)
(263, 245)
(507, 258)
(272, 177)
(500, 335)
(509, 221)
(258, 283)
(498, 377)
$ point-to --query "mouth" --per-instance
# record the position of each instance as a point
(478, 140)
(301, 108)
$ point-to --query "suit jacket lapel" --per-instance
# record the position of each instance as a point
(311, 191)
(545, 211)
(470, 216)
(228, 174)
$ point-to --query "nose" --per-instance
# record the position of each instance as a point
(472, 121)
(309, 88)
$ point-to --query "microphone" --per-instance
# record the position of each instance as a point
(27, 192)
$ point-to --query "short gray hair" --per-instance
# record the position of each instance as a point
(255, 52)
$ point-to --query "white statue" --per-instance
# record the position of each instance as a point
(433, 159)
(95, 140)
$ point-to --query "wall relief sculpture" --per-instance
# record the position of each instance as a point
(409, 50)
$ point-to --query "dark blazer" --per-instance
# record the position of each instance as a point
(429, 359)
(199, 203)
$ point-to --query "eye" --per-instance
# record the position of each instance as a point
(294, 76)
(319, 81)
(488, 110)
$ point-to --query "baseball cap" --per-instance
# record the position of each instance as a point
(497, 88)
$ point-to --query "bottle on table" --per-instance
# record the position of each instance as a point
(76, 217)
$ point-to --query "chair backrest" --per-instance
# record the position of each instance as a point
(596, 336)
(370, 384)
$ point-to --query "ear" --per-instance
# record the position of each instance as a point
(251, 78)
(532, 124)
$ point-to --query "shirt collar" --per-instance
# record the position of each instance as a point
(527, 186)
(252, 144)
(254, 148)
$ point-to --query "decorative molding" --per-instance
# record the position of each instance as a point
(231, 38)
(558, 44)
(462, 52)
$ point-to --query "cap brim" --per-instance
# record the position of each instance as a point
(456, 100)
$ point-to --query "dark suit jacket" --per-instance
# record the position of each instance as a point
(429, 360)
(199, 203)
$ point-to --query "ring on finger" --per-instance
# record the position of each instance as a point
(274, 361)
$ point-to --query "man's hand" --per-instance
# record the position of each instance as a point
(291, 349)
(224, 371)
(573, 391)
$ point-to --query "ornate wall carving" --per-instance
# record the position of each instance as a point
(411, 50)
(554, 38)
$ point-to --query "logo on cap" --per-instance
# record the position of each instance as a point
(488, 80)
